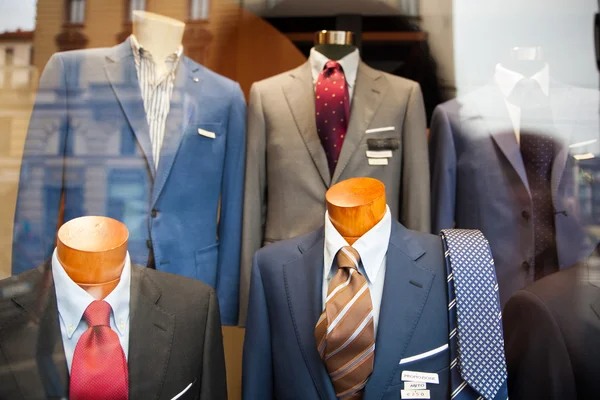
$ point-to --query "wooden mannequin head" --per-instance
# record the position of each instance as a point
(355, 206)
(92, 250)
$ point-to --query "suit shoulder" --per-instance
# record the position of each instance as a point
(82, 55)
(288, 250)
(217, 81)
(177, 290)
(275, 80)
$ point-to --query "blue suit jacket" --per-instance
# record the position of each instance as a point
(479, 179)
(89, 139)
(280, 354)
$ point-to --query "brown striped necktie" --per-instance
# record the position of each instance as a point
(345, 333)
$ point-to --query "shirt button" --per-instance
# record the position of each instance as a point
(525, 265)
(154, 213)
(525, 214)
(70, 329)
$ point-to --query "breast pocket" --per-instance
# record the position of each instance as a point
(204, 147)
(434, 362)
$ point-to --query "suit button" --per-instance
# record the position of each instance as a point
(154, 213)
(525, 214)
(525, 265)
(149, 243)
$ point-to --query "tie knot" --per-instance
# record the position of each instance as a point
(348, 257)
(528, 93)
(97, 313)
(333, 65)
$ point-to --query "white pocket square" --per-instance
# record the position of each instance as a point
(424, 355)
(384, 129)
(208, 134)
(184, 390)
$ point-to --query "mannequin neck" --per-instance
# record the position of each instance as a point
(355, 206)
(335, 51)
(160, 36)
(92, 251)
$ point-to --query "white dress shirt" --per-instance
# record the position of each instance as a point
(349, 63)
(156, 91)
(507, 80)
(72, 301)
(372, 248)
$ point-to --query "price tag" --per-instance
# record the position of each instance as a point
(414, 376)
(415, 394)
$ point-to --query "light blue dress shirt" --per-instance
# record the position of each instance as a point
(72, 302)
(372, 248)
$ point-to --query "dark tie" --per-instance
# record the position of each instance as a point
(538, 149)
(333, 111)
(477, 362)
(345, 333)
(99, 368)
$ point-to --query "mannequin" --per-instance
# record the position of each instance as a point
(92, 251)
(526, 60)
(334, 45)
(160, 35)
(355, 206)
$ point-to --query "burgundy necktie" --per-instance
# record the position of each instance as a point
(99, 368)
(333, 110)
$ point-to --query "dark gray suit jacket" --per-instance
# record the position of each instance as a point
(174, 341)
(552, 335)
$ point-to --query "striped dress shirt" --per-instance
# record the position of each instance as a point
(156, 92)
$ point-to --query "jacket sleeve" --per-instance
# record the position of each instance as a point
(255, 195)
(442, 156)
(213, 382)
(230, 220)
(538, 363)
(257, 368)
(42, 166)
(414, 206)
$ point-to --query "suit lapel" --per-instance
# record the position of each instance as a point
(495, 116)
(303, 279)
(369, 91)
(180, 112)
(122, 75)
(150, 338)
(300, 96)
(35, 355)
(565, 108)
(407, 286)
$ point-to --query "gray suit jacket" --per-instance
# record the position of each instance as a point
(174, 341)
(479, 179)
(286, 168)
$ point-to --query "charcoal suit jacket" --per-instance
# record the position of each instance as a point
(175, 342)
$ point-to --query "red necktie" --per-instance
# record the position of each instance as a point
(333, 110)
(99, 368)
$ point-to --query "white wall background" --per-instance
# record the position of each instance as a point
(484, 32)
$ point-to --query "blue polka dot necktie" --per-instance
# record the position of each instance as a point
(477, 362)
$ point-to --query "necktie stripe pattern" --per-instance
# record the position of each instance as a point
(332, 105)
(345, 332)
(99, 369)
(478, 366)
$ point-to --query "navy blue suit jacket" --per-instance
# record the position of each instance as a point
(280, 354)
(89, 139)
(479, 181)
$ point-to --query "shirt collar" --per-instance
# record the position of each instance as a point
(507, 79)
(372, 246)
(349, 63)
(72, 300)
(137, 50)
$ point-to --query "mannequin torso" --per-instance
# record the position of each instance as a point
(160, 35)
(92, 251)
(355, 206)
